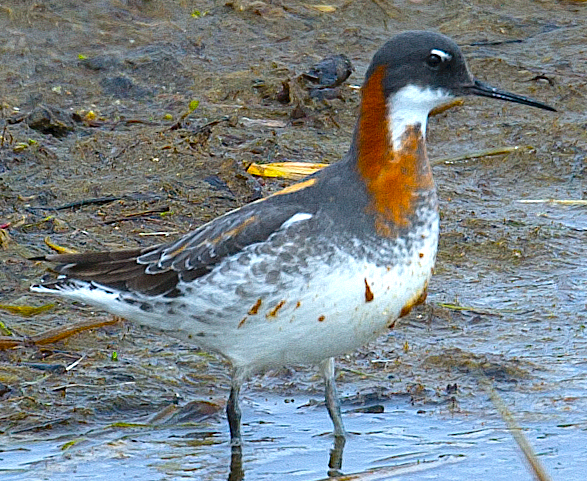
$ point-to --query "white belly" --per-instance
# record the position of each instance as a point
(334, 315)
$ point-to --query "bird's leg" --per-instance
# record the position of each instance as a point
(335, 461)
(332, 401)
(333, 406)
(233, 411)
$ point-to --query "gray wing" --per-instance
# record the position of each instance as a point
(157, 270)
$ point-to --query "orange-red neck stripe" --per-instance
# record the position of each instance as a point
(393, 178)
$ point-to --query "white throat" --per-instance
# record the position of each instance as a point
(410, 106)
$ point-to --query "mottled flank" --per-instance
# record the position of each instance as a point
(368, 293)
(273, 312)
(406, 310)
(418, 299)
(255, 309)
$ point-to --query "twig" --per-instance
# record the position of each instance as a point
(99, 201)
(127, 147)
(486, 43)
(516, 431)
(135, 215)
(554, 201)
(444, 107)
(390, 10)
(160, 233)
(75, 363)
(481, 153)
(80, 203)
(479, 310)
(53, 335)
(179, 124)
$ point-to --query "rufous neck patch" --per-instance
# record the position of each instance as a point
(393, 178)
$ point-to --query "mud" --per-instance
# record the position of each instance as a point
(128, 123)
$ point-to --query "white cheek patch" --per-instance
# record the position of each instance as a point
(410, 106)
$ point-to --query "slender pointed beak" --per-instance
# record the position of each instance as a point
(484, 90)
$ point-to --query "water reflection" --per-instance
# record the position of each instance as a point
(236, 464)
(237, 472)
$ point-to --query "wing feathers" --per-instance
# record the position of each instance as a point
(157, 270)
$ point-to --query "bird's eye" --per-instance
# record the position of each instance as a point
(437, 57)
(434, 60)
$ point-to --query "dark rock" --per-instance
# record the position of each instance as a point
(325, 94)
(329, 72)
(101, 62)
(123, 87)
(50, 120)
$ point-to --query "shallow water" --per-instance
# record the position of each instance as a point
(397, 444)
(508, 301)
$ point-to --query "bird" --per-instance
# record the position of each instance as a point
(317, 269)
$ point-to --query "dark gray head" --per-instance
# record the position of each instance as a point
(431, 61)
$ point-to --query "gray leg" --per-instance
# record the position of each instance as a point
(332, 401)
(233, 411)
(335, 461)
(333, 405)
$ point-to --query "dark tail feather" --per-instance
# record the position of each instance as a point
(117, 269)
(86, 258)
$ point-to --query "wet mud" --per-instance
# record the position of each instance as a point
(126, 123)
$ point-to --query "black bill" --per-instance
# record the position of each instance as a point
(484, 90)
